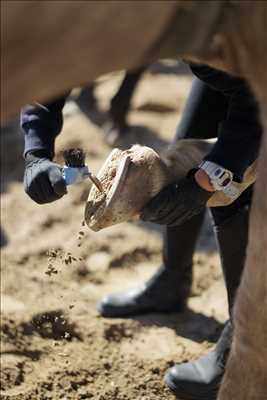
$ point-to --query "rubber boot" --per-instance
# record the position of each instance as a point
(232, 238)
(200, 379)
(168, 289)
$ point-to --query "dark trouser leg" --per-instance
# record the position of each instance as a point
(204, 110)
(200, 379)
(169, 287)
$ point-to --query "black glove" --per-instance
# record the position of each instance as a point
(176, 203)
(43, 180)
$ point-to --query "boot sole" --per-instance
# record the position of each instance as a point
(199, 393)
(124, 312)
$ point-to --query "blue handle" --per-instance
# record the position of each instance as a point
(75, 175)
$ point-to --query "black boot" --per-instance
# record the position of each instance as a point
(200, 379)
(232, 238)
(169, 287)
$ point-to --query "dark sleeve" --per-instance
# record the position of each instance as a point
(239, 134)
(41, 123)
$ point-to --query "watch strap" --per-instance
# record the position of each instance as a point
(220, 178)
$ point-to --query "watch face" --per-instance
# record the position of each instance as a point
(217, 172)
(220, 178)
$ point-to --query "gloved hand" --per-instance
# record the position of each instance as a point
(43, 180)
(176, 203)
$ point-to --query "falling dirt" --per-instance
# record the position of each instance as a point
(54, 271)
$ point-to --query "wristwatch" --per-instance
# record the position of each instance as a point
(220, 178)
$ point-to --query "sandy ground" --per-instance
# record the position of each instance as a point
(54, 344)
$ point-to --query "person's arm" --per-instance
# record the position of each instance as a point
(237, 147)
(239, 133)
(41, 123)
